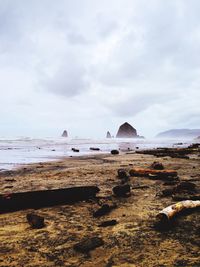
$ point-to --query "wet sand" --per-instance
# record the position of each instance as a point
(133, 241)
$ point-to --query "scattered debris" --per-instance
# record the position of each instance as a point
(194, 146)
(169, 152)
(156, 174)
(35, 220)
(88, 244)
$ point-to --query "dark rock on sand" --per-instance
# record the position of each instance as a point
(94, 148)
(65, 134)
(105, 209)
(122, 173)
(108, 135)
(157, 165)
(75, 149)
(114, 152)
(185, 186)
(108, 223)
(167, 192)
(35, 220)
(88, 244)
(122, 190)
(193, 146)
(126, 131)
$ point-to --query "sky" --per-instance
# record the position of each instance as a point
(88, 66)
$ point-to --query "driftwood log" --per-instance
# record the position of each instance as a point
(45, 198)
(168, 213)
(150, 172)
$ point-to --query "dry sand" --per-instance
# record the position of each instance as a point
(132, 242)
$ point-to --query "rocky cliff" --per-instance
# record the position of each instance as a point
(180, 133)
(126, 131)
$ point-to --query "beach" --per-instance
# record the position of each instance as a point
(132, 241)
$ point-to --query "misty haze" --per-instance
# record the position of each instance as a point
(99, 133)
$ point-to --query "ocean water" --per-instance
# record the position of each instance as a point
(19, 151)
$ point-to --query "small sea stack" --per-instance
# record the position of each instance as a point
(108, 135)
(64, 134)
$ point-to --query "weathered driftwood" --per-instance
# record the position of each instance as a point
(151, 172)
(167, 214)
(45, 198)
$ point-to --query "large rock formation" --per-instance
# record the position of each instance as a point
(180, 133)
(108, 135)
(126, 131)
(65, 134)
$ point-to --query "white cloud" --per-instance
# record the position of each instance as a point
(76, 64)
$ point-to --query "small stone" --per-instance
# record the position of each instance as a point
(35, 220)
(157, 165)
(108, 223)
(186, 186)
(75, 149)
(105, 209)
(114, 152)
(88, 244)
(121, 190)
(122, 174)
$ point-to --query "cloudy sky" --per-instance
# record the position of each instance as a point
(88, 65)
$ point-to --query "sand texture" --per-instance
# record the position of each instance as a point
(133, 241)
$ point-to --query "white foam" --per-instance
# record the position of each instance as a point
(24, 150)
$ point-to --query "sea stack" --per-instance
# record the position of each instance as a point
(65, 134)
(108, 135)
(126, 131)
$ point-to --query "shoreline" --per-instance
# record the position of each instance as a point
(133, 241)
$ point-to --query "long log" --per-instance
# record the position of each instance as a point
(150, 172)
(45, 198)
(168, 213)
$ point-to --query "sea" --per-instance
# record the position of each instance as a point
(15, 152)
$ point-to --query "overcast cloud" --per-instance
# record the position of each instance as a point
(88, 66)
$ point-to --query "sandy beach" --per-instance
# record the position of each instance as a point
(133, 241)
